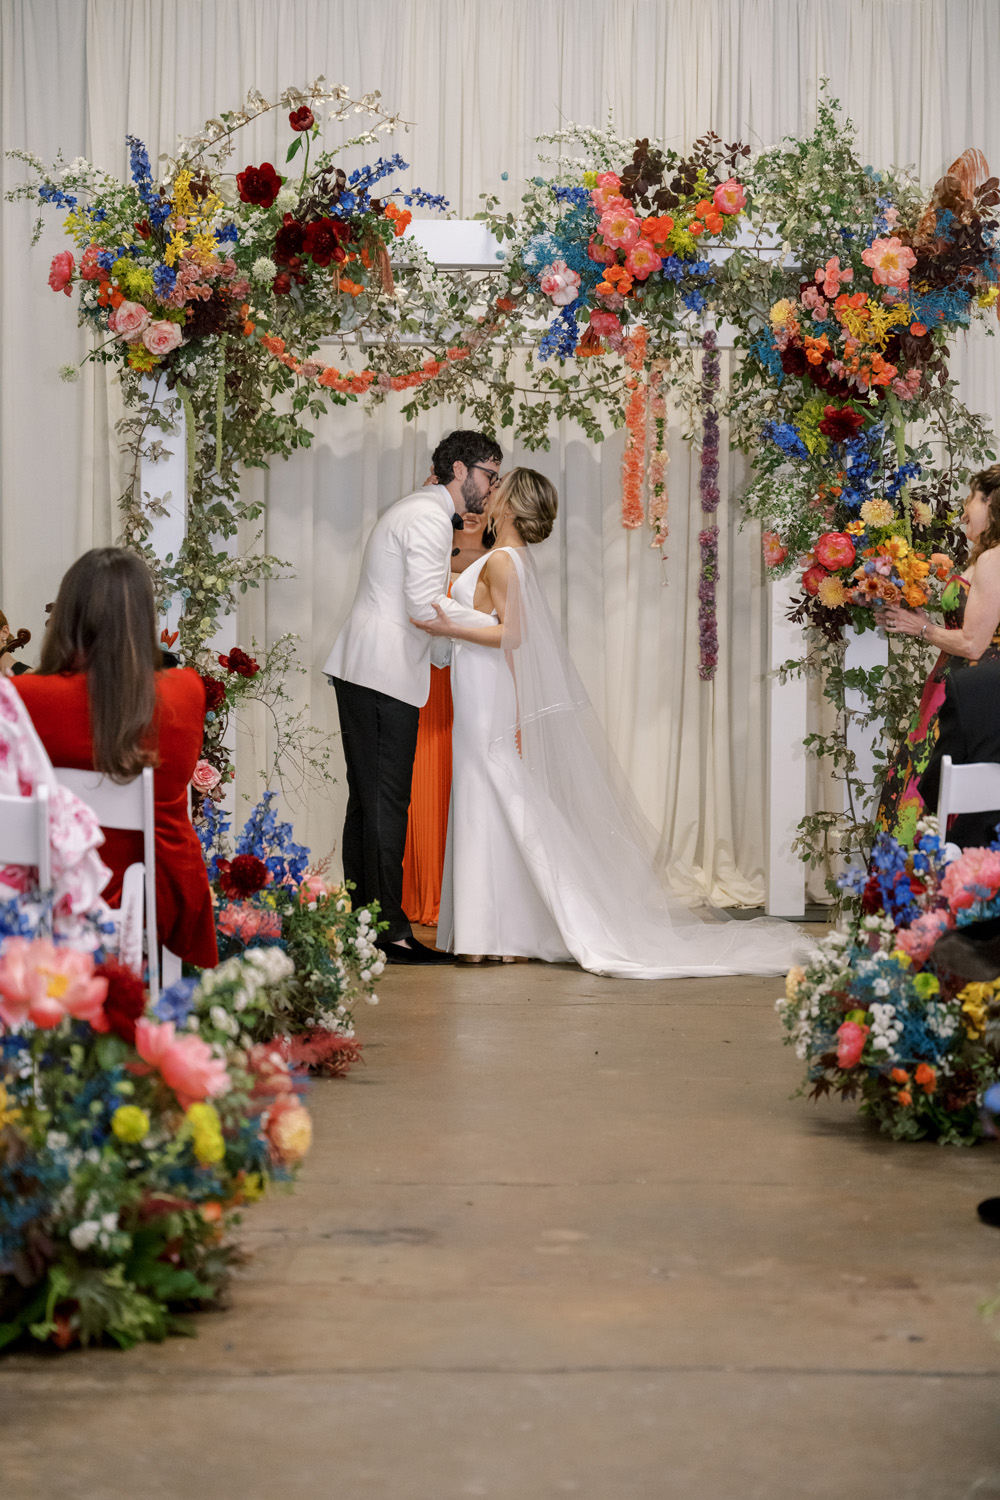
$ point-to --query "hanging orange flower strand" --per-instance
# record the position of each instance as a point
(634, 460)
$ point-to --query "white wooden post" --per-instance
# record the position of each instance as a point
(166, 478)
(868, 649)
(786, 761)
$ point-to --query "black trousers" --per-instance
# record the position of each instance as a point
(380, 740)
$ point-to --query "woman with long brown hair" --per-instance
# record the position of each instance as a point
(970, 634)
(101, 700)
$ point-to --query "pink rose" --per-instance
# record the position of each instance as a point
(851, 1040)
(559, 283)
(43, 984)
(186, 1063)
(834, 549)
(128, 321)
(61, 272)
(205, 777)
(313, 889)
(729, 197)
(162, 336)
(918, 939)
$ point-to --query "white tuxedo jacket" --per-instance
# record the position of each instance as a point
(405, 568)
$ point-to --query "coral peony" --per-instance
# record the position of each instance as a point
(89, 268)
(186, 1063)
(773, 548)
(559, 283)
(642, 260)
(248, 923)
(243, 876)
(597, 250)
(61, 272)
(619, 226)
(919, 938)
(974, 876)
(43, 984)
(606, 325)
(812, 578)
(729, 197)
(834, 549)
(890, 261)
(851, 1038)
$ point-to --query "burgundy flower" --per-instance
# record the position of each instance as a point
(841, 423)
(281, 285)
(322, 241)
(793, 360)
(125, 1001)
(242, 876)
(215, 693)
(302, 119)
(239, 661)
(259, 185)
(871, 896)
(288, 241)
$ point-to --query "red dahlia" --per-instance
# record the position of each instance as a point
(238, 661)
(242, 876)
(125, 1001)
(215, 693)
(259, 185)
(841, 423)
(302, 119)
(322, 241)
(288, 242)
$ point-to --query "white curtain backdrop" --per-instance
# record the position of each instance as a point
(479, 79)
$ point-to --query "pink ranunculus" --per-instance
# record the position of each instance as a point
(830, 276)
(89, 269)
(248, 923)
(205, 777)
(162, 336)
(559, 283)
(918, 939)
(129, 321)
(43, 984)
(606, 324)
(619, 226)
(851, 1038)
(186, 1063)
(729, 197)
(773, 548)
(974, 876)
(61, 272)
(890, 260)
(834, 549)
(642, 260)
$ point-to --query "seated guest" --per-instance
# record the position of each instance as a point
(969, 731)
(102, 701)
(9, 643)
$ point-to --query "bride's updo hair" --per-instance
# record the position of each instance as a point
(532, 501)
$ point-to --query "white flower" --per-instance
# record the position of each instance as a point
(82, 1236)
(880, 1044)
(378, 968)
(56, 1140)
(69, 372)
(263, 269)
(219, 1018)
(227, 190)
(109, 1222)
(373, 998)
(287, 198)
(192, 1022)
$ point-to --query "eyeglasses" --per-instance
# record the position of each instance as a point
(492, 474)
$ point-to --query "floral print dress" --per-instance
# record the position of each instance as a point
(901, 806)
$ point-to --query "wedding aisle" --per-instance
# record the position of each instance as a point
(563, 1236)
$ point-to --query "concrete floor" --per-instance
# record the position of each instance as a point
(563, 1237)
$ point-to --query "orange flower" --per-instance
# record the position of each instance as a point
(899, 1075)
(918, 330)
(914, 595)
(704, 207)
(904, 1097)
(855, 528)
(926, 1077)
(352, 288)
(505, 304)
(941, 564)
(273, 344)
(714, 223)
(248, 329)
(656, 229)
(616, 279)
(696, 228)
(816, 348)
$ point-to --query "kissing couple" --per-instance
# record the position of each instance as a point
(548, 856)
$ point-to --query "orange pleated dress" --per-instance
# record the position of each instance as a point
(427, 830)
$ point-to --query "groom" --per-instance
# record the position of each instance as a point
(380, 666)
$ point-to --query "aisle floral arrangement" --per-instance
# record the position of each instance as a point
(876, 1017)
(129, 1143)
(273, 907)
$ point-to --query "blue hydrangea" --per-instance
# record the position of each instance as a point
(174, 1003)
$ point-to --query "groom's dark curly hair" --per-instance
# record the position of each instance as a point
(463, 447)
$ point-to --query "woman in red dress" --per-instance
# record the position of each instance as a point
(102, 700)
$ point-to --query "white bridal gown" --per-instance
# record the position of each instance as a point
(548, 856)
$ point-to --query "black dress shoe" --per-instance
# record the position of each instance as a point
(989, 1212)
(412, 952)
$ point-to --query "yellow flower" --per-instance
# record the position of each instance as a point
(831, 593)
(974, 999)
(205, 1127)
(793, 979)
(130, 1123)
(922, 513)
(987, 298)
(877, 513)
(782, 312)
(291, 1132)
(140, 358)
(8, 1114)
(590, 179)
(903, 959)
(253, 1187)
(855, 528)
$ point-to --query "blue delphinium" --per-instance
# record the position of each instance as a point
(561, 336)
(164, 280)
(157, 208)
(271, 841)
(174, 1003)
(784, 436)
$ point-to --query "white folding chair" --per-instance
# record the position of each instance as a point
(128, 806)
(970, 788)
(24, 833)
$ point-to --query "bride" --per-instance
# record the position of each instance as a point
(548, 856)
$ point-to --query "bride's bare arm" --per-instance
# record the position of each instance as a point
(496, 575)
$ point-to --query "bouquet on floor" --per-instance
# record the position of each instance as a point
(129, 1142)
(276, 912)
(876, 1016)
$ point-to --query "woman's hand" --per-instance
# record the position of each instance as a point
(442, 625)
(899, 621)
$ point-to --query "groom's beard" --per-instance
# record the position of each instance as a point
(472, 500)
